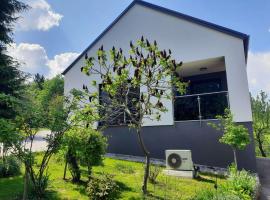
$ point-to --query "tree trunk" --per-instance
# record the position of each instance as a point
(25, 187)
(261, 147)
(65, 169)
(73, 166)
(89, 170)
(235, 159)
(147, 162)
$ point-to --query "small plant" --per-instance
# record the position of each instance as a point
(9, 166)
(154, 172)
(241, 183)
(234, 135)
(39, 189)
(213, 195)
(102, 188)
(126, 169)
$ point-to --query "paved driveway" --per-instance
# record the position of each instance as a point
(263, 167)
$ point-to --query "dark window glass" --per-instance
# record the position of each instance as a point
(116, 115)
(205, 86)
(213, 105)
(186, 108)
(202, 86)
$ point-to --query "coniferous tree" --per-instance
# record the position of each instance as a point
(11, 78)
(39, 80)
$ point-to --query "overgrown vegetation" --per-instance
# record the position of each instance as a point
(261, 123)
(240, 185)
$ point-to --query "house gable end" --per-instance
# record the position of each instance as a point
(194, 20)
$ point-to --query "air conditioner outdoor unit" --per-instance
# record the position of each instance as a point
(179, 160)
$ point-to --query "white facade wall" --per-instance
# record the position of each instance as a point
(188, 42)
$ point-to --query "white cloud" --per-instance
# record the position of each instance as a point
(34, 59)
(259, 72)
(40, 16)
(61, 62)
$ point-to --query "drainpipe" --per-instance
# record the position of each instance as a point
(199, 106)
(228, 100)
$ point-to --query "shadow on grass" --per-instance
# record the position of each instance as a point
(52, 194)
(202, 179)
(11, 188)
(153, 196)
(123, 187)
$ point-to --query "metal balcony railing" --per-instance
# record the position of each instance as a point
(200, 106)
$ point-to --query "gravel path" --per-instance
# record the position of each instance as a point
(263, 167)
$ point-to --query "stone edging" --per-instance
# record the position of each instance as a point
(161, 162)
(257, 190)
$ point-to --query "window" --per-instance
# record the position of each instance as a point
(205, 98)
(202, 86)
(117, 115)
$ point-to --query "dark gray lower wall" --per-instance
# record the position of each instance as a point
(201, 139)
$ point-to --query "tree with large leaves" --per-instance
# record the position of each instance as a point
(133, 87)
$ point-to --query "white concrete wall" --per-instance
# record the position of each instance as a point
(188, 42)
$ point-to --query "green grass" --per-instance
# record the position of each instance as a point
(127, 174)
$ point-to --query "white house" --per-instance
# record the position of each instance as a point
(214, 60)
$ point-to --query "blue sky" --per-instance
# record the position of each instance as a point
(70, 26)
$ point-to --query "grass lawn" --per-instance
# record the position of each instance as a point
(128, 175)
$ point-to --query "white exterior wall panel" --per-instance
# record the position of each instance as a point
(188, 42)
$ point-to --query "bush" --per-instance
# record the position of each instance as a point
(153, 173)
(86, 146)
(124, 168)
(242, 180)
(39, 189)
(9, 166)
(240, 185)
(214, 195)
(102, 188)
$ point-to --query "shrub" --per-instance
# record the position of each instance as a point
(86, 147)
(214, 195)
(240, 185)
(9, 166)
(102, 188)
(39, 189)
(153, 173)
(124, 168)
